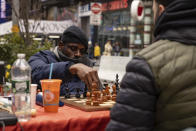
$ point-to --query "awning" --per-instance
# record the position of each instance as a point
(42, 27)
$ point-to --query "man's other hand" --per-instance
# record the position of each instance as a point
(85, 73)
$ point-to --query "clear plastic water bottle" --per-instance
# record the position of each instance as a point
(21, 80)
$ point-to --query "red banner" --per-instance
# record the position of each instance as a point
(114, 5)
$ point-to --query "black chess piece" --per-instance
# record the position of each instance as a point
(85, 91)
(105, 84)
(117, 84)
(67, 93)
(77, 93)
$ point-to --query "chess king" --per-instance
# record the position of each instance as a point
(70, 62)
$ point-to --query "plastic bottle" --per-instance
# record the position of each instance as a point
(21, 80)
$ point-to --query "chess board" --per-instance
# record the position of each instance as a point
(80, 103)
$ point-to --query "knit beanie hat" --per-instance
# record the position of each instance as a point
(74, 34)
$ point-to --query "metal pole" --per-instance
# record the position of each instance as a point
(132, 36)
(147, 23)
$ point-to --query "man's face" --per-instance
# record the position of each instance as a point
(73, 50)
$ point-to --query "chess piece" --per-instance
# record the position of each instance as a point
(104, 97)
(107, 90)
(85, 91)
(67, 93)
(94, 86)
(117, 84)
(77, 93)
(93, 89)
(88, 101)
(114, 93)
(99, 97)
(95, 101)
(105, 84)
(95, 94)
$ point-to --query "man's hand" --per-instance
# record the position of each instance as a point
(85, 73)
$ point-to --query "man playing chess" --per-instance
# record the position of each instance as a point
(70, 63)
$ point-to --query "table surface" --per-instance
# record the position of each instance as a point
(67, 119)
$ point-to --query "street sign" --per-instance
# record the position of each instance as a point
(95, 17)
(96, 8)
(137, 10)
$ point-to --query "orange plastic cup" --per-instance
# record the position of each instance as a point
(51, 92)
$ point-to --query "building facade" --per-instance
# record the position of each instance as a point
(116, 22)
(117, 25)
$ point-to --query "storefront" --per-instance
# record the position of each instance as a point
(117, 25)
(39, 30)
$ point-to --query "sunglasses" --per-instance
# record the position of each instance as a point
(75, 49)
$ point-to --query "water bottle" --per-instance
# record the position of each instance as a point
(21, 80)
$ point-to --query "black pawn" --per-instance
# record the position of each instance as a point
(105, 84)
(77, 92)
(85, 91)
(67, 93)
(117, 83)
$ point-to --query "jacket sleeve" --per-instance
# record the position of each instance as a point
(135, 104)
(40, 66)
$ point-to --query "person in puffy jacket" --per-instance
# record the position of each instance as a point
(70, 63)
(158, 90)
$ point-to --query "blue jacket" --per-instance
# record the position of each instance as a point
(40, 64)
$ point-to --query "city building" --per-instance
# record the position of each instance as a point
(41, 23)
(118, 25)
(115, 22)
